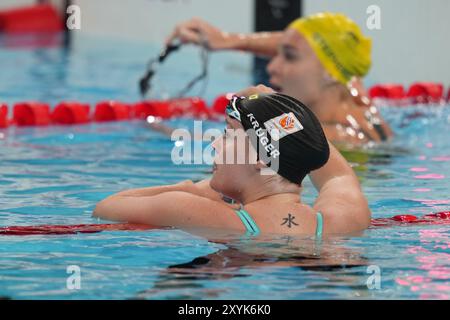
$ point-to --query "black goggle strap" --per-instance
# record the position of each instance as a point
(144, 82)
(204, 56)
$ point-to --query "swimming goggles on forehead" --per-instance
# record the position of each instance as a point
(232, 108)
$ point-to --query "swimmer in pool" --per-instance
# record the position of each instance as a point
(293, 146)
(319, 60)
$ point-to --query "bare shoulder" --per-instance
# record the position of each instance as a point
(344, 212)
(340, 218)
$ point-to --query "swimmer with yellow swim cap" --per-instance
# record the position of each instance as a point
(319, 60)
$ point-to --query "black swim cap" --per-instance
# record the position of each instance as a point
(284, 130)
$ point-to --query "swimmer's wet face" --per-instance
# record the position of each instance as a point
(296, 70)
(235, 160)
(319, 51)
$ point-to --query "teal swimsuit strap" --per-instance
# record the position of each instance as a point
(252, 227)
(319, 228)
(249, 223)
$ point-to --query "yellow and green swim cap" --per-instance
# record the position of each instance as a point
(338, 43)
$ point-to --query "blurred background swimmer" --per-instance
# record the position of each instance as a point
(319, 59)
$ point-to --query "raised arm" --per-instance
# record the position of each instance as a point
(340, 198)
(194, 30)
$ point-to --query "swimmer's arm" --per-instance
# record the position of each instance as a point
(175, 208)
(259, 43)
(340, 198)
(200, 188)
(195, 30)
(163, 128)
(186, 186)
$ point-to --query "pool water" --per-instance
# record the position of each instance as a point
(55, 175)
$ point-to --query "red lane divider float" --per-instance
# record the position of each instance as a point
(191, 107)
(439, 218)
(71, 229)
(71, 113)
(112, 111)
(36, 18)
(220, 104)
(3, 116)
(31, 114)
(160, 109)
(68, 113)
(426, 92)
(217, 111)
(418, 93)
(387, 91)
(187, 107)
